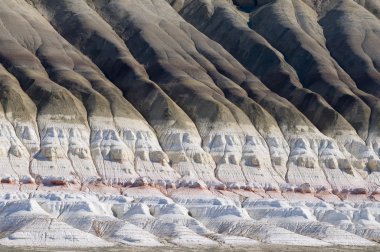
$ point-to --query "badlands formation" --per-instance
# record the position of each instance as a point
(189, 122)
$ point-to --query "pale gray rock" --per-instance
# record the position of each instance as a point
(207, 123)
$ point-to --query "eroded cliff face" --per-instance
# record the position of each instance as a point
(221, 94)
(245, 98)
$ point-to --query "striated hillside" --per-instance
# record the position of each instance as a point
(196, 122)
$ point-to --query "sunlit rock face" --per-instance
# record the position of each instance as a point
(211, 123)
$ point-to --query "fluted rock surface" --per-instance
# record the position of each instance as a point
(239, 100)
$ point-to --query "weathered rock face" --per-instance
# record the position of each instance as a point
(233, 99)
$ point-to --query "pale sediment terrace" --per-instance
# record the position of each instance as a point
(148, 216)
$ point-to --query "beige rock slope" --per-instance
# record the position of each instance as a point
(300, 56)
(213, 93)
(159, 100)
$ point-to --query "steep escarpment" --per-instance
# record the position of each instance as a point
(312, 87)
(213, 93)
(196, 111)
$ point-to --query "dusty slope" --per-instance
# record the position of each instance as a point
(246, 99)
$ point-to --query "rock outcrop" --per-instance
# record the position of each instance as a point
(181, 118)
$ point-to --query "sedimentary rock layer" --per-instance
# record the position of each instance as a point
(146, 216)
(241, 98)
